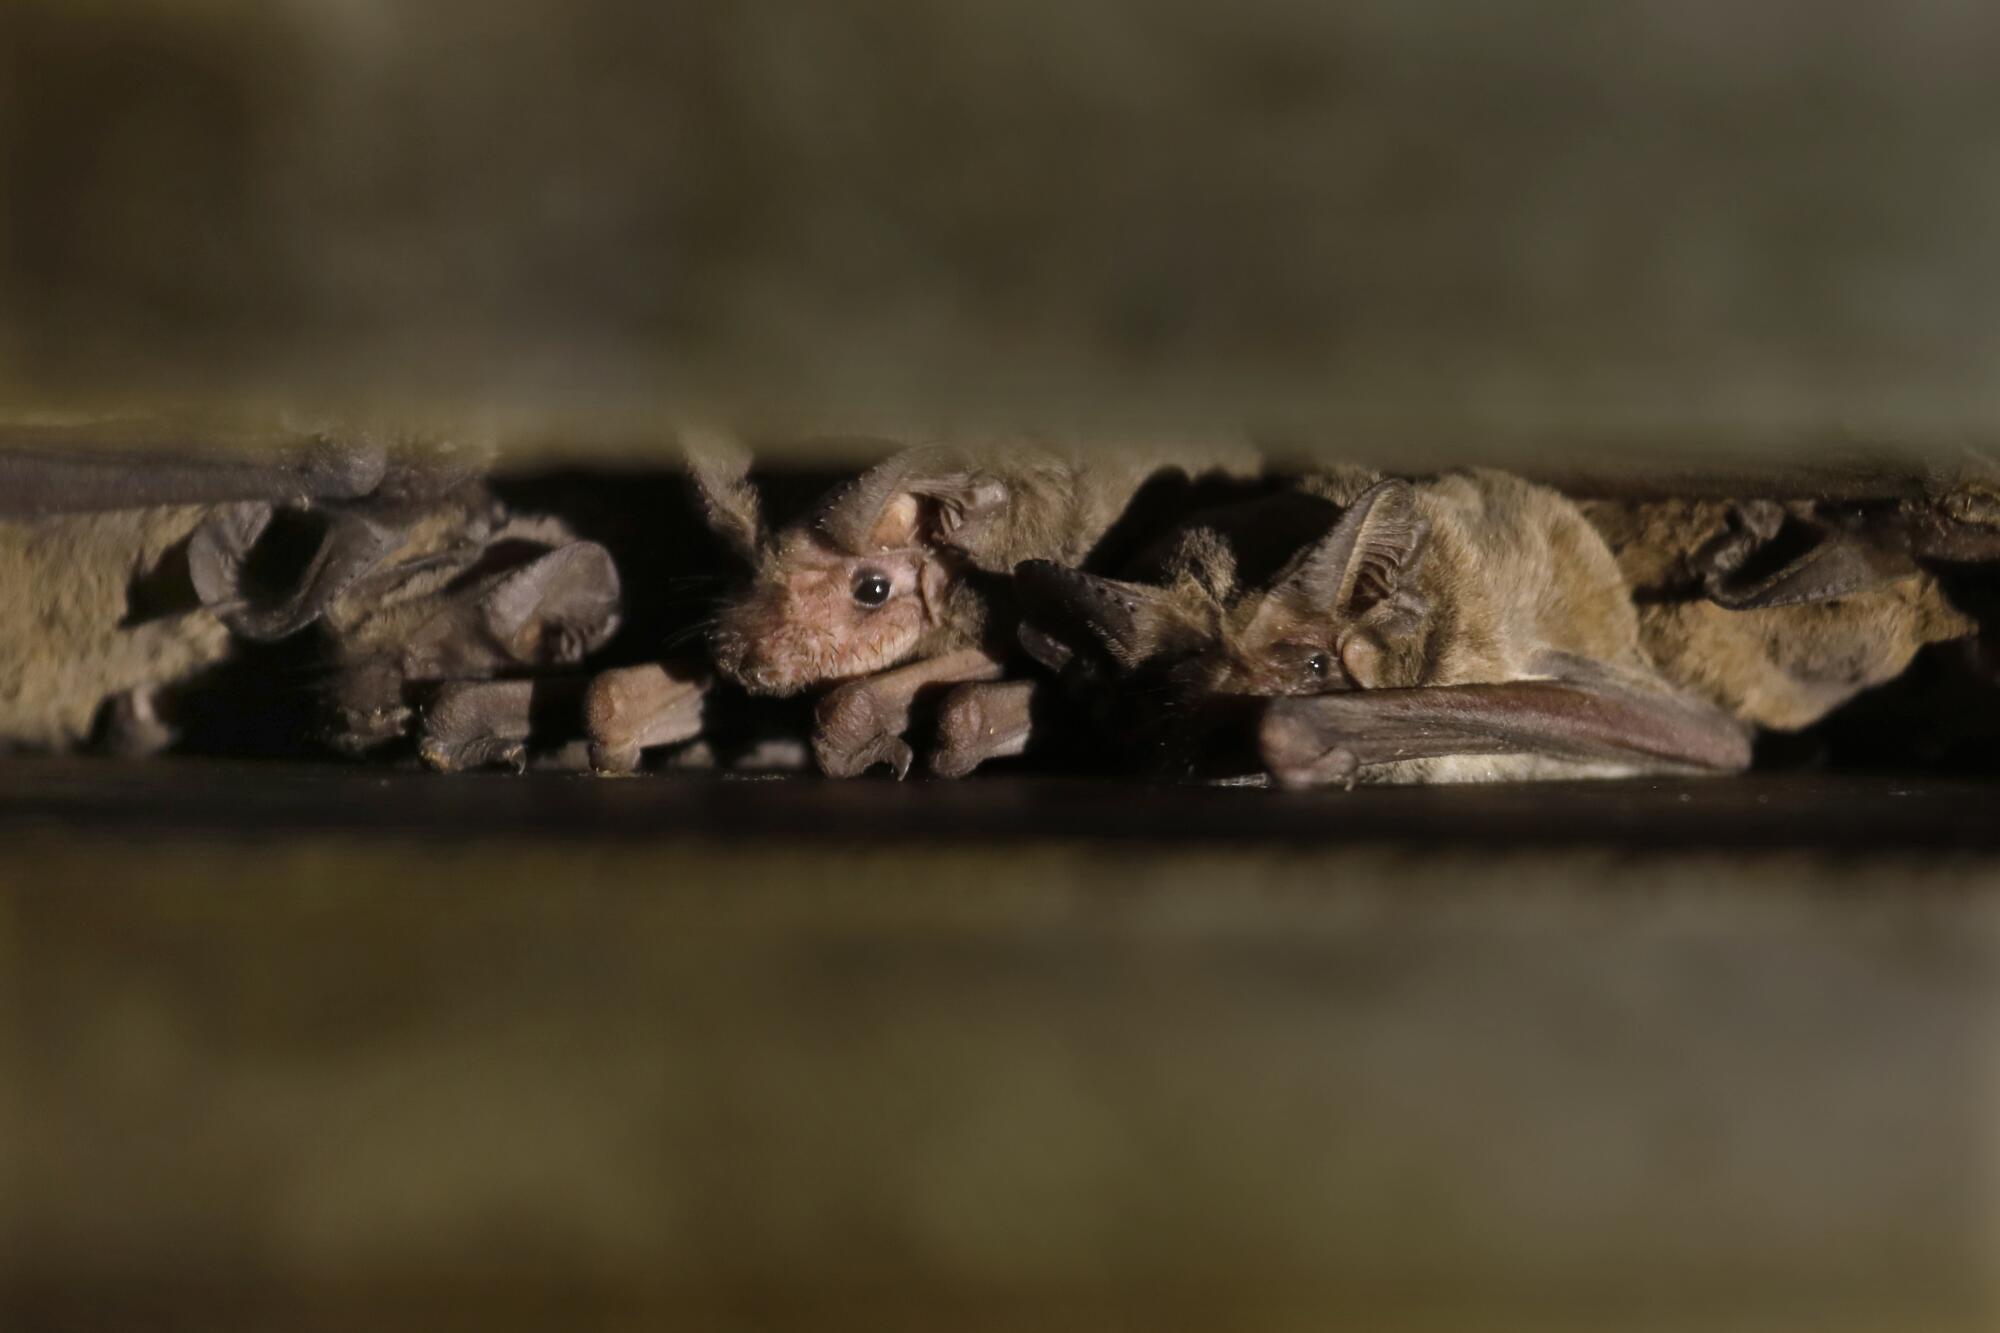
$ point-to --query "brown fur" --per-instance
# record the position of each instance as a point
(1506, 573)
(1781, 667)
(954, 513)
(1509, 573)
(421, 616)
(73, 636)
(1470, 579)
(1481, 578)
(68, 638)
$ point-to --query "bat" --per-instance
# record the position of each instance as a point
(1475, 626)
(1481, 627)
(460, 592)
(895, 586)
(125, 581)
(1781, 612)
(97, 613)
(104, 466)
(629, 710)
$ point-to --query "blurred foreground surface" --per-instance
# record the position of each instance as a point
(1491, 230)
(352, 1050)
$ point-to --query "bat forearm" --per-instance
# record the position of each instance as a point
(860, 724)
(38, 476)
(1331, 737)
(984, 720)
(633, 709)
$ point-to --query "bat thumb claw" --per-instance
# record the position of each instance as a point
(1298, 753)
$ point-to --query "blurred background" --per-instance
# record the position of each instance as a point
(327, 1048)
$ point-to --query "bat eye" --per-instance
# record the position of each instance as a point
(1318, 664)
(871, 587)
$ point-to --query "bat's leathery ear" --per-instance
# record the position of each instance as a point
(1366, 559)
(220, 546)
(556, 608)
(875, 511)
(915, 497)
(721, 471)
(220, 555)
(1129, 621)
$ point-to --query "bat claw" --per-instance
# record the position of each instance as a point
(630, 710)
(980, 721)
(614, 761)
(891, 750)
(478, 752)
(478, 724)
(133, 727)
(852, 734)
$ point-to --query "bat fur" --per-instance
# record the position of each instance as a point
(1478, 579)
(906, 566)
(106, 612)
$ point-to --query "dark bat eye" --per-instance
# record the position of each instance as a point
(1319, 665)
(871, 587)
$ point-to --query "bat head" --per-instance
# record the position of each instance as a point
(1344, 613)
(446, 588)
(529, 597)
(857, 587)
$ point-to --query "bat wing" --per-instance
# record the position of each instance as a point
(47, 470)
(219, 554)
(1330, 738)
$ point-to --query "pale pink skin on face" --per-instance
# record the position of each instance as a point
(802, 623)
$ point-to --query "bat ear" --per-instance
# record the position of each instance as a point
(720, 468)
(898, 503)
(1075, 611)
(228, 548)
(556, 608)
(220, 549)
(1203, 558)
(1366, 559)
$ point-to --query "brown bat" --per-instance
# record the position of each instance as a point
(97, 617)
(1478, 627)
(412, 575)
(896, 584)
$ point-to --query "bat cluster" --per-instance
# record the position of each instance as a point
(1184, 612)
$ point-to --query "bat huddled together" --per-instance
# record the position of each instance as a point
(1187, 612)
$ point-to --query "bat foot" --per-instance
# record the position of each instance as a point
(852, 762)
(133, 727)
(1963, 525)
(465, 754)
(478, 752)
(1977, 509)
(614, 761)
(1298, 751)
(854, 731)
(633, 709)
(368, 708)
(478, 724)
(981, 721)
